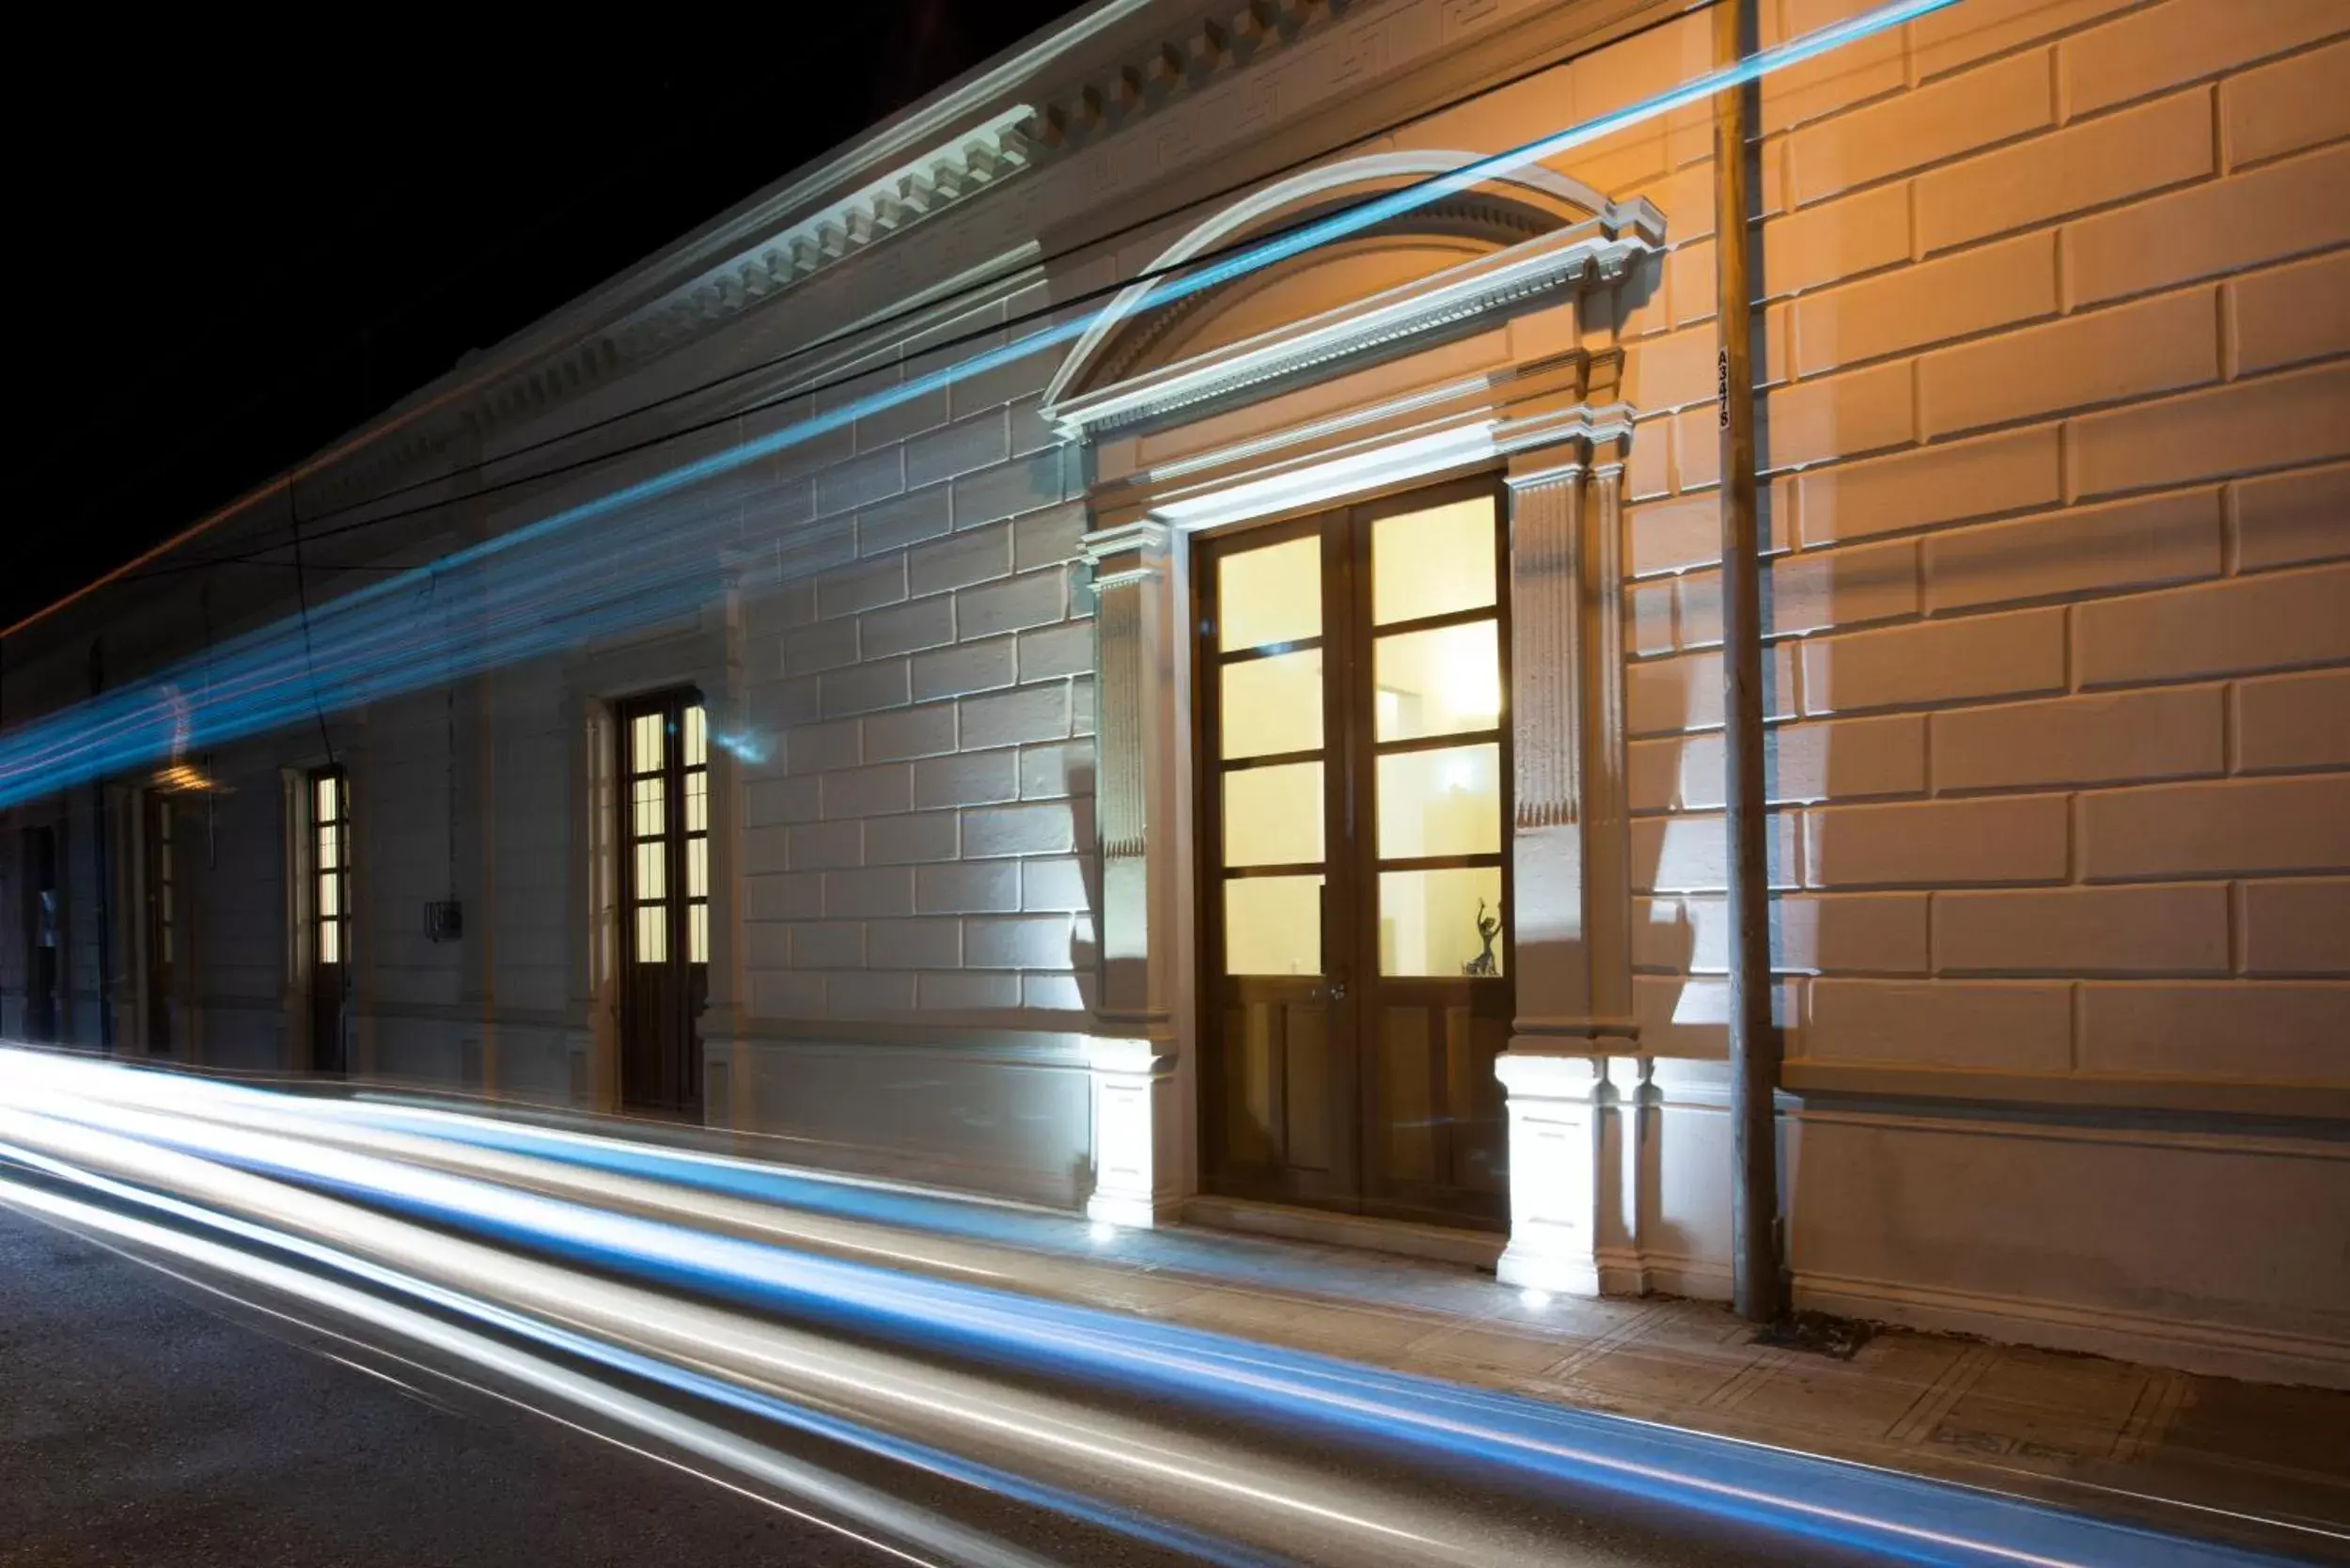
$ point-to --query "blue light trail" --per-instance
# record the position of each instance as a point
(657, 548)
(1319, 1402)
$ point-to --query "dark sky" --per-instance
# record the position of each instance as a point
(232, 249)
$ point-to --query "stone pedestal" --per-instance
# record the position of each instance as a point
(1133, 1122)
(1558, 1139)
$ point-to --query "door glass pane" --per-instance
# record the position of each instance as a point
(1272, 925)
(1273, 816)
(1439, 683)
(698, 803)
(698, 933)
(652, 872)
(697, 868)
(1269, 595)
(697, 737)
(653, 933)
(330, 942)
(1446, 802)
(324, 789)
(1273, 705)
(1433, 562)
(1429, 921)
(645, 743)
(645, 797)
(330, 846)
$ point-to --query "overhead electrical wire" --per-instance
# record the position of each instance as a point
(1608, 34)
(685, 533)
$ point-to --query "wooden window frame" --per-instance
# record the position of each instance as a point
(330, 886)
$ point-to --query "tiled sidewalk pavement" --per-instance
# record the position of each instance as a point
(2106, 1436)
(2077, 1429)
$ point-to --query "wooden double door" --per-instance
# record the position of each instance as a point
(1355, 806)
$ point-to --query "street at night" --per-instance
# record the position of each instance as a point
(1361, 783)
(487, 1300)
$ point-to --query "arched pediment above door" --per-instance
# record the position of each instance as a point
(1449, 265)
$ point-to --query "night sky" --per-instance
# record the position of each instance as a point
(233, 249)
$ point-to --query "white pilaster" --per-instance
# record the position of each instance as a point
(1569, 850)
(1136, 1163)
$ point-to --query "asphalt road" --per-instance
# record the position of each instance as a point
(144, 1422)
(241, 1329)
(152, 1414)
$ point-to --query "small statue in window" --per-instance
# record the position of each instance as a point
(1485, 965)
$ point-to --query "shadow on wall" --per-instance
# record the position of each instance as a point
(1079, 772)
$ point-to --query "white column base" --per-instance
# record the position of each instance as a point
(1557, 1103)
(1134, 1131)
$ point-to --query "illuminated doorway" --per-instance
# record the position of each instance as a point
(330, 916)
(665, 899)
(1353, 781)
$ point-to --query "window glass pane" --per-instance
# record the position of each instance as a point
(325, 796)
(1273, 816)
(698, 868)
(653, 871)
(1438, 682)
(697, 934)
(330, 895)
(1272, 704)
(697, 737)
(645, 738)
(1269, 595)
(653, 933)
(1429, 921)
(330, 942)
(1272, 925)
(167, 940)
(1432, 562)
(330, 846)
(696, 803)
(647, 801)
(1446, 802)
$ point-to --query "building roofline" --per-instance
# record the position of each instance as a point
(957, 105)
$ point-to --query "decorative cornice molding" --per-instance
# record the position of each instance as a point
(1596, 251)
(1181, 63)
(1123, 554)
(1282, 200)
(776, 241)
(979, 158)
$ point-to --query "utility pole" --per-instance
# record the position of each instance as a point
(1754, 1045)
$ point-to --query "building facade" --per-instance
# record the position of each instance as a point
(1255, 757)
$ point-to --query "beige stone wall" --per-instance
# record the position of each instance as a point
(2054, 303)
(911, 846)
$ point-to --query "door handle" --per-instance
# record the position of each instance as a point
(1335, 991)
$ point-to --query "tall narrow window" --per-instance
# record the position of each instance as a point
(664, 881)
(330, 915)
(163, 934)
(330, 850)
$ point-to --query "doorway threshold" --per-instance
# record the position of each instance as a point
(1476, 1249)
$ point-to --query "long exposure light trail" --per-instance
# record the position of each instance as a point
(525, 1248)
(838, 1496)
(659, 546)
